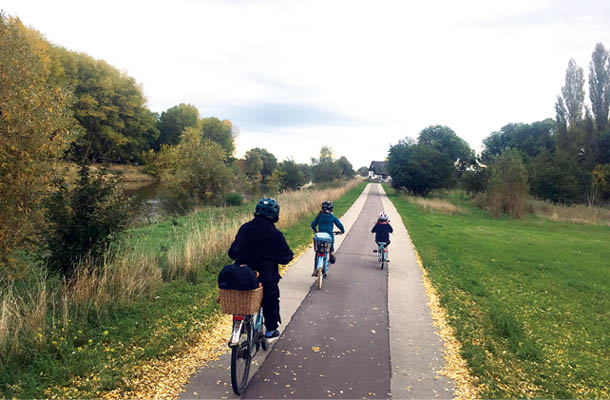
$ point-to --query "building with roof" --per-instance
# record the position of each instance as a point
(378, 170)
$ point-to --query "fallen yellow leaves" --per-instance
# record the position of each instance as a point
(455, 367)
(164, 379)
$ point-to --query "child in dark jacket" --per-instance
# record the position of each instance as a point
(260, 245)
(382, 229)
(325, 221)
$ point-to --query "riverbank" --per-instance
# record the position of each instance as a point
(147, 305)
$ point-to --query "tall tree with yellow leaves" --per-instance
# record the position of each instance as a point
(35, 122)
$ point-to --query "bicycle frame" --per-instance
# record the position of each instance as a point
(322, 247)
(238, 322)
(322, 261)
(382, 253)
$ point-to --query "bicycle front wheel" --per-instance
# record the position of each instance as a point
(241, 357)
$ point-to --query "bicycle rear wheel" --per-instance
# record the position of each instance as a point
(241, 357)
(320, 268)
(320, 278)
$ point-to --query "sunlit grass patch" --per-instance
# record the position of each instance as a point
(435, 205)
(577, 214)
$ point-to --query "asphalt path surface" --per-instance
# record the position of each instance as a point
(367, 333)
(337, 344)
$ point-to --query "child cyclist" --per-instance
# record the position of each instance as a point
(325, 222)
(260, 245)
(382, 229)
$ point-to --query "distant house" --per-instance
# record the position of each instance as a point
(378, 170)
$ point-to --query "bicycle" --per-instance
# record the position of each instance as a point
(322, 243)
(382, 254)
(247, 336)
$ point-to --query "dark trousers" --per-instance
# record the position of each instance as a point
(271, 305)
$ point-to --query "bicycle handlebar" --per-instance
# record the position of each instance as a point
(335, 232)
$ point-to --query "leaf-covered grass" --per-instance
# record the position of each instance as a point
(85, 359)
(529, 299)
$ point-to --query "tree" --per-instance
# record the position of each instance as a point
(599, 86)
(174, 121)
(85, 220)
(111, 108)
(347, 171)
(363, 171)
(325, 169)
(508, 185)
(444, 139)
(253, 164)
(574, 93)
(269, 162)
(419, 168)
(35, 125)
(306, 170)
(292, 176)
(220, 132)
(475, 179)
(199, 174)
(326, 154)
(555, 177)
(530, 139)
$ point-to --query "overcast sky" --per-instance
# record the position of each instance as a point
(354, 75)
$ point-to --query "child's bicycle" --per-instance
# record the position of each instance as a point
(248, 333)
(322, 243)
(382, 254)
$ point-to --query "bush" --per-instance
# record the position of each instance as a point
(419, 168)
(508, 185)
(199, 174)
(234, 199)
(475, 180)
(85, 220)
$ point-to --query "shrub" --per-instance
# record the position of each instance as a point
(85, 220)
(199, 175)
(508, 185)
(234, 199)
(475, 179)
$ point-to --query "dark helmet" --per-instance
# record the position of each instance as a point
(268, 207)
(327, 206)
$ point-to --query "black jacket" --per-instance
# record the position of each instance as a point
(382, 232)
(262, 246)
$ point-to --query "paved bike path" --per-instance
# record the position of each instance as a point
(337, 344)
(366, 334)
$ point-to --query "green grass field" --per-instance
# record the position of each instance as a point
(529, 299)
(89, 358)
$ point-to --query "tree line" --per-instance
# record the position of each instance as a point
(58, 105)
(564, 160)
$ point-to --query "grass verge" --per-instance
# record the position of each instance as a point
(528, 299)
(108, 353)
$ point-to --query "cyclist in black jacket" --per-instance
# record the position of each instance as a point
(262, 246)
(382, 229)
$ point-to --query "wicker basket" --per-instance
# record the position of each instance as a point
(240, 301)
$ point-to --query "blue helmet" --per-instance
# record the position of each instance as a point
(268, 207)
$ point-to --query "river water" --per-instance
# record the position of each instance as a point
(146, 197)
